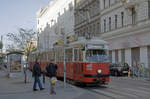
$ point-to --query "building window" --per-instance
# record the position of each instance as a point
(122, 19)
(90, 28)
(133, 15)
(109, 23)
(116, 20)
(38, 22)
(94, 29)
(70, 6)
(58, 14)
(104, 1)
(148, 9)
(109, 3)
(64, 9)
(116, 56)
(104, 25)
(98, 27)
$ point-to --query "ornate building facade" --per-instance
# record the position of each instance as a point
(87, 14)
(125, 25)
(53, 20)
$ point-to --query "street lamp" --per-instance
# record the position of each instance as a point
(64, 50)
(64, 47)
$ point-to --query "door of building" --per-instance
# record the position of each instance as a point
(116, 56)
(123, 55)
(135, 56)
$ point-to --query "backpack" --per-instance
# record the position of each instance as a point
(51, 70)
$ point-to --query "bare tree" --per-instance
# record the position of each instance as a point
(22, 41)
(1, 46)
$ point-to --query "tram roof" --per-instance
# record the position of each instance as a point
(90, 41)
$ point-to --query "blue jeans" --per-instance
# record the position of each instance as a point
(37, 80)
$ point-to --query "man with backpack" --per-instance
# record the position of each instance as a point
(51, 73)
(36, 74)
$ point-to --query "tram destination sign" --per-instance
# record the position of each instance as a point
(96, 46)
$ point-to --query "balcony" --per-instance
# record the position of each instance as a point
(130, 3)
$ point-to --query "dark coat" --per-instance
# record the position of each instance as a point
(36, 69)
(51, 70)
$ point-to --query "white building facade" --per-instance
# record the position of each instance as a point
(53, 20)
(125, 25)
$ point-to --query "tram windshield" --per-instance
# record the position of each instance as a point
(96, 56)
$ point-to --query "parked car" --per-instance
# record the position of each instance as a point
(118, 69)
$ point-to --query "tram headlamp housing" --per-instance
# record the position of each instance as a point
(99, 71)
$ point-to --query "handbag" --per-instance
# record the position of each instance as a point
(53, 80)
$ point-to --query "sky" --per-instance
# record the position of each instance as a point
(16, 14)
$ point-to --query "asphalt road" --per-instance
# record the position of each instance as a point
(122, 88)
(118, 88)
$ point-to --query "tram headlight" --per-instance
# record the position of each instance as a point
(99, 71)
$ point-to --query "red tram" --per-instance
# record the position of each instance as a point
(86, 61)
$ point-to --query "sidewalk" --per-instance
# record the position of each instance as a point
(14, 88)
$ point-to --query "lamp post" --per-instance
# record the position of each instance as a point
(64, 49)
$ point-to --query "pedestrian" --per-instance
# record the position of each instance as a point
(36, 74)
(51, 73)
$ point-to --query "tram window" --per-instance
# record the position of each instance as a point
(96, 56)
(80, 55)
(75, 54)
(69, 55)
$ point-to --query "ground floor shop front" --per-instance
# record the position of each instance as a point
(132, 47)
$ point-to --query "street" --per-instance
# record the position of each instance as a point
(123, 88)
(118, 88)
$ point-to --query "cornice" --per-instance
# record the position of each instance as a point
(127, 30)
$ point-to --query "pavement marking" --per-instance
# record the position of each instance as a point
(138, 91)
(123, 90)
(108, 93)
(146, 84)
(143, 88)
(128, 82)
(123, 93)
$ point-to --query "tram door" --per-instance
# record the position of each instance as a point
(78, 59)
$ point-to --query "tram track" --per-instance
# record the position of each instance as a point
(101, 94)
(93, 89)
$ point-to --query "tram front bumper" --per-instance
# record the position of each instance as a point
(99, 78)
(98, 75)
